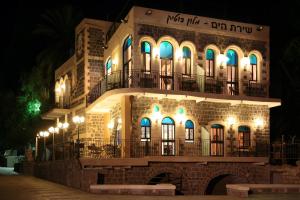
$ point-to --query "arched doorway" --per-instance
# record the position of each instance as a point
(217, 185)
(168, 136)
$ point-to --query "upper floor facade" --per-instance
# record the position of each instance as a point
(166, 52)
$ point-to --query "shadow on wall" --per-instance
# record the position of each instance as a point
(217, 186)
(168, 178)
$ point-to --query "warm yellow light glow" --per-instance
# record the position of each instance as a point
(156, 116)
(44, 133)
(51, 129)
(222, 60)
(115, 61)
(111, 124)
(119, 121)
(231, 121)
(245, 62)
(65, 125)
(60, 125)
(156, 52)
(259, 122)
(78, 119)
(178, 54)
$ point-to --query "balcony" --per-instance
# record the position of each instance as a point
(177, 82)
(156, 148)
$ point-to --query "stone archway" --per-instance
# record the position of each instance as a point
(217, 185)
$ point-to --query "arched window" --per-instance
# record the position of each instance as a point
(166, 65)
(127, 61)
(189, 131)
(232, 72)
(210, 63)
(253, 64)
(217, 140)
(186, 52)
(243, 138)
(168, 136)
(145, 129)
(146, 56)
(108, 67)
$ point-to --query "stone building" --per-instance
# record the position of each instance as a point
(168, 97)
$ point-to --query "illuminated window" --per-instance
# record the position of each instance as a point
(210, 63)
(168, 136)
(189, 131)
(244, 137)
(253, 64)
(145, 129)
(166, 65)
(232, 72)
(217, 140)
(108, 66)
(146, 56)
(127, 61)
(187, 60)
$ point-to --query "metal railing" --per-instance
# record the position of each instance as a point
(285, 153)
(176, 82)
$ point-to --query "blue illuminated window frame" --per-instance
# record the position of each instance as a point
(232, 57)
(145, 128)
(168, 120)
(189, 131)
(108, 66)
(166, 50)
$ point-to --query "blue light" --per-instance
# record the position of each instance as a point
(244, 129)
(167, 120)
(253, 59)
(127, 43)
(232, 57)
(216, 126)
(186, 52)
(146, 47)
(210, 55)
(189, 124)
(108, 64)
(145, 122)
(166, 50)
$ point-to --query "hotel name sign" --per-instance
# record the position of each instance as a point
(194, 21)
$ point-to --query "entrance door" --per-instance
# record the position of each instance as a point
(168, 137)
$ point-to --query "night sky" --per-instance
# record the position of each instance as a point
(20, 46)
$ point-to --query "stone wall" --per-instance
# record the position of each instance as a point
(203, 114)
(189, 178)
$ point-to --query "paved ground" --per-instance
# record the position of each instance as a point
(30, 188)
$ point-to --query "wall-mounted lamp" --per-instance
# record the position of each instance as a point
(222, 60)
(245, 62)
(111, 124)
(179, 54)
(259, 123)
(156, 115)
(180, 115)
(148, 12)
(156, 52)
(231, 121)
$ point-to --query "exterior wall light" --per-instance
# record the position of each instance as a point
(156, 52)
(148, 12)
(119, 121)
(78, 120)
(259, 123)
(231, 121)
(222, 60)
(111, 124)
(180, 115)
(179, 54)
(245, 62)
(156, 115)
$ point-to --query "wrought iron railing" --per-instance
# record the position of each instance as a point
(177, 82)
(110, 148)
(285, 153)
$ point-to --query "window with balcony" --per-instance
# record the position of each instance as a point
(232, 72)
(189, 131)
(210, 63)
(253, 67)
(166, 65)
(127, 61)
(145, 129)
(146, 56)
(108, 66)
(186, 54)
(217, 140)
